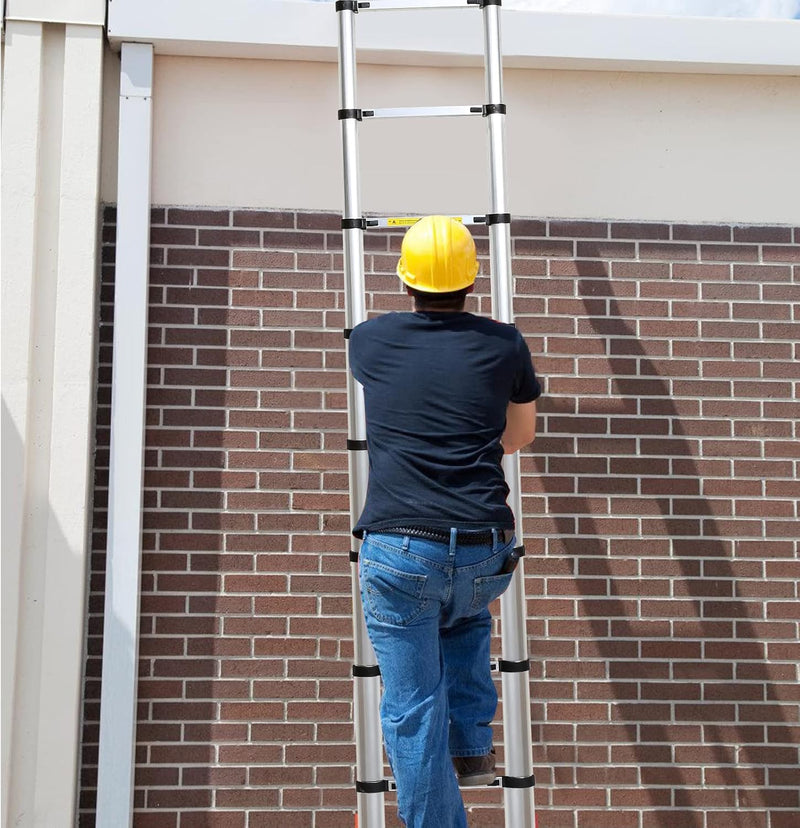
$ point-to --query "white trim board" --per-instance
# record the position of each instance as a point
(126, 465)
(277, 29)
(77, 12)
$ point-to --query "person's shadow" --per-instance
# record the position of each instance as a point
(692, 695)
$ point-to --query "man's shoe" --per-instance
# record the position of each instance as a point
(475, 770)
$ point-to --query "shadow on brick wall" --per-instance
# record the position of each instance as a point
(706, 714)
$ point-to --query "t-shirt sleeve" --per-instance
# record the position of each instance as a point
(526, 386)
(354, 352)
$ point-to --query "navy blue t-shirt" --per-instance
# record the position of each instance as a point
(436, 389)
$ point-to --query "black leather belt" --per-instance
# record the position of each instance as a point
(466, 537)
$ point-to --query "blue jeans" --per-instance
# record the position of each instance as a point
(426, 608)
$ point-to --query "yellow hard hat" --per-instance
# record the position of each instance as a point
(438, 256)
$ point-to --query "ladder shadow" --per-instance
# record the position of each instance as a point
(731, 757)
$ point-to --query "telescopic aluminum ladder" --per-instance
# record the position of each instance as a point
(514, 664)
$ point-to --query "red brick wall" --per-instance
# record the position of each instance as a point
(660, 505)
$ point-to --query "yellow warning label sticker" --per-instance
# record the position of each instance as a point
(407, 221)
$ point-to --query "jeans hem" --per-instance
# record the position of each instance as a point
(467, 752)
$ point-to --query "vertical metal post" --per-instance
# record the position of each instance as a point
(519, 802)
(126, 472)
(366, 677)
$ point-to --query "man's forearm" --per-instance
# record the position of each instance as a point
(520, 426)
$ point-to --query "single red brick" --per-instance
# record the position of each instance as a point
(250, 711)
(290, 819)
(290, 399)
(208, 818)
(669, 251)
(224, 439)
(263, 218)
(291, 359)
(293, 240)
(255, 583)
(179, 798)
(248, 338)
(247, 798)
(153, 819)
(183, 710)
(781, 253)
(639, 230)
(222, 356)
(177, 215)
(255, 543)
(259, 419)
(319, 221)
(547, 248)
(257, 501)
(258, 460)
(188, 583)
(724, 819)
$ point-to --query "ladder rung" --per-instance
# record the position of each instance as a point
(422, 111)
(407, 221)
(403, 5)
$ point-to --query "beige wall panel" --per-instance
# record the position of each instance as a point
(109, 129)
(23, 94)
(51, 121)
(580, 144)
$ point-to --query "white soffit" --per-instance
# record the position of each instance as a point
(283, 30)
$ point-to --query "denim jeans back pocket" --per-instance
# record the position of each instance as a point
(489, 587)
(392, 596)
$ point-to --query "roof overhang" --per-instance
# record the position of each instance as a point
(277, 29)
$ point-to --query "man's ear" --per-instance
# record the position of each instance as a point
(408, 290)
(471, 288)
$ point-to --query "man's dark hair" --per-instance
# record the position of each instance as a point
(432, 301)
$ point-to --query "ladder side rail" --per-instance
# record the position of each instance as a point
(499, 231)
(518, 801)
(366, 678)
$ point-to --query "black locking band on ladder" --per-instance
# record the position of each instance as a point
(354, 224)
(498, 218)
(381, 786)
(514, 666)
(366, 671)
(517, 781)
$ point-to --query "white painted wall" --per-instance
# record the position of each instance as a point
(581, 144)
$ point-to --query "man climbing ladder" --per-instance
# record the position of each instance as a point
(470, 735)
(446, 393)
